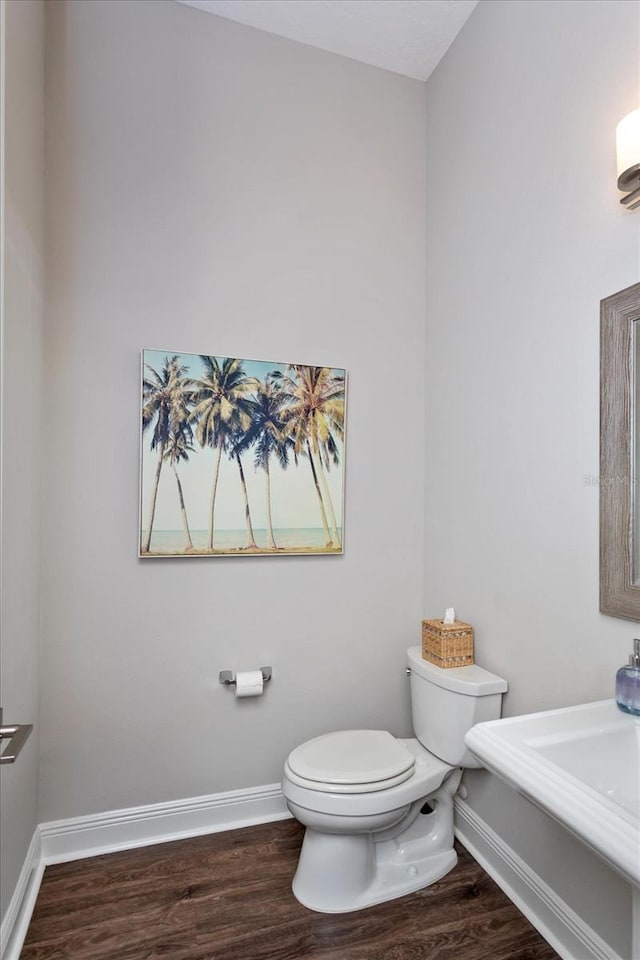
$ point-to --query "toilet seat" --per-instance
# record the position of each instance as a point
(351, 761)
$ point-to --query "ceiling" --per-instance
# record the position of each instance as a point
(405, 36)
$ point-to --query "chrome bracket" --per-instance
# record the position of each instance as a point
(16, 734)
(630, 181)
(228, 676)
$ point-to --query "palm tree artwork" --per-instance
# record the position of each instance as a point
(178, 448)
(237, 444)
(236, 436)
(267, 434)
(314, 413)
(164, 406)
(221, 405)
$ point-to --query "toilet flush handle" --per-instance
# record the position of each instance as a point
(408, 671)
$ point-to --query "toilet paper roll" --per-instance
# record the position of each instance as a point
(249, 684)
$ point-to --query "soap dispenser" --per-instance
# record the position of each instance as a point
(628, 683)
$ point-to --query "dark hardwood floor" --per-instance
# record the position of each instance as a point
(228, 896)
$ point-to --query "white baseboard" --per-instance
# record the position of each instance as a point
(18, 914)
(61, 840)
(114, 830)
(569, 935)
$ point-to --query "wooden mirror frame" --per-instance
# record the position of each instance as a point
(619, 595)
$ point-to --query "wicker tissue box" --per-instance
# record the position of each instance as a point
(447, 644)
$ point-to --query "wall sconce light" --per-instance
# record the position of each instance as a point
(628, 151)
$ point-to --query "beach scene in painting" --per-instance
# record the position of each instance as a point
(240, 457)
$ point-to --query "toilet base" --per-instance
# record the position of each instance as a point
(391, 880)
(340, 873)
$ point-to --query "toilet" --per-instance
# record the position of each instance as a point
(378, 810)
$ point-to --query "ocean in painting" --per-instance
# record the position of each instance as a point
(287, 538)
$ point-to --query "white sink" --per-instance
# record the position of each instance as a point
(581, 765)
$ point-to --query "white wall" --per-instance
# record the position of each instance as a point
(21, 396)
(216, 189)
(524, 237)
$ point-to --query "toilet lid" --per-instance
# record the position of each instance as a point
(353, 758)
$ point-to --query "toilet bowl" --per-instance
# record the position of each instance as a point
(378, 810)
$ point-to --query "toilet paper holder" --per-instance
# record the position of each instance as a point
(228, 676)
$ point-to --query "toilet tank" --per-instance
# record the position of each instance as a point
(446, 703)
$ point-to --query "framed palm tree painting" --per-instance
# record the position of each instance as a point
(240, 457)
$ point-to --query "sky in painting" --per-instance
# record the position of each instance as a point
(294, 501)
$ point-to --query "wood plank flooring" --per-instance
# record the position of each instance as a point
(227, 896)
